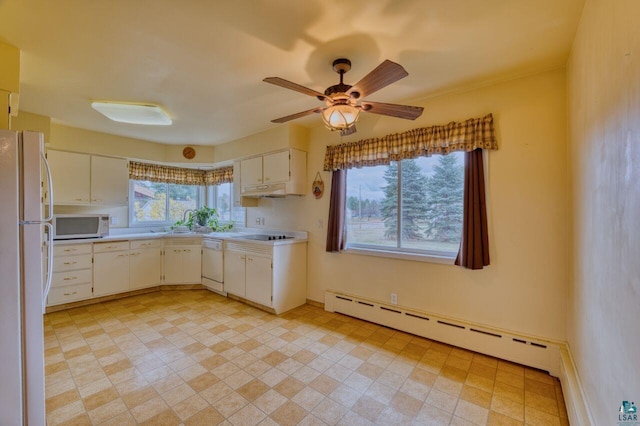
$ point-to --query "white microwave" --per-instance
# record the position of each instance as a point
(75, 226)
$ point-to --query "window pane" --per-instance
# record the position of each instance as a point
(369, 220)
(223, 202)
(431, 193)
(181, 199)
(432, 189)
(149, 201)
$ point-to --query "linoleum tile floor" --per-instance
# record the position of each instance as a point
(195, 358)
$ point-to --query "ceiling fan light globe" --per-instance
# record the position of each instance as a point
(340, 117)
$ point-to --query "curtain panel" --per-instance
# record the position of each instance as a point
(218, 176)
(179, 175)
(466, 136)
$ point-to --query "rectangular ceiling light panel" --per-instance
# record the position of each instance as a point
(133, 113)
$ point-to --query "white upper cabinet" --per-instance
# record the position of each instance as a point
(278, 173)
(71, 175)
(88, 179)
(275, 167)
(251, 171)
(109, 181)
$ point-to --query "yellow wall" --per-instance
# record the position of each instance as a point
(525, 288)
(81, 140)
(604, 116)
(279, 137)
(9, 68)
(35, 122)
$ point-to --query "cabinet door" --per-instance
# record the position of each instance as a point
(251, 172)
(70, 173)
(258, 279)
(192, 265)
(146, 267)
(275, 167)
(110, 273)
(173, 265)
(234, 273)
(109, 181)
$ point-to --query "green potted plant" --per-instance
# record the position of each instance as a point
(204, 219)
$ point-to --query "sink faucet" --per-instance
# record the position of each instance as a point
(184, 217)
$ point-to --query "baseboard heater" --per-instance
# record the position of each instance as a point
(531, 351)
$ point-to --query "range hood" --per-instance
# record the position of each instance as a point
(274, 190)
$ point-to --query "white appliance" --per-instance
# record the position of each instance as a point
(76, 226)
(22, 291)
(212, 264)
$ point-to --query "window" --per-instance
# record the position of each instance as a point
(411, 206)
(154, 203)
(219, 197)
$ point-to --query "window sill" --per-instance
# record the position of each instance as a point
(429, 258)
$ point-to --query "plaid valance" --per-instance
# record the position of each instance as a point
(218, 176)
(179, 175)
(421, 142)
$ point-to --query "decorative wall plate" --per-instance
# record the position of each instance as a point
(318, 186)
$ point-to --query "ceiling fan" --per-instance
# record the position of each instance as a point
(343, 102)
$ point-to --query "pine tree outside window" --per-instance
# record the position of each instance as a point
(408, 206)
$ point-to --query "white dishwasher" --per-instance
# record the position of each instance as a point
(212, 264)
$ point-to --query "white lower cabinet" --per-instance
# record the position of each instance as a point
(248, 275)
(258, 275)
(182, 261)
(72, 274)
(145, 264)
(272, 276)
(110, 268)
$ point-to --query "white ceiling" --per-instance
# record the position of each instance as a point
(204, 60)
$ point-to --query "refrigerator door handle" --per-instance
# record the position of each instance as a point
(50, 189)
(47, 286)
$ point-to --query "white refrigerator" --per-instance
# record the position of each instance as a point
(24, 282)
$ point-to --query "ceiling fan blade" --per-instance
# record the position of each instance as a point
(400, 111)
(383, 75)
(297, 115)
(293, 86)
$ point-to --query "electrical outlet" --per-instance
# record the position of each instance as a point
(394, 299)
(115, 220)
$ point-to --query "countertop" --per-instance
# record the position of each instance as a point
(299, 237)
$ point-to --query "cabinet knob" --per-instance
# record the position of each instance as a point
(68, 250)
(78, 199)
(96, 200)
(73, 262)
(70, 294)
(187, 250)
(267, 179)
(70, 278)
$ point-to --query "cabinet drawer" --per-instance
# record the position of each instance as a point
(140, 244)
(70, 293)
(183, 241)
(70, 249)
(71, 277)
(70, 263)
(110, 246)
